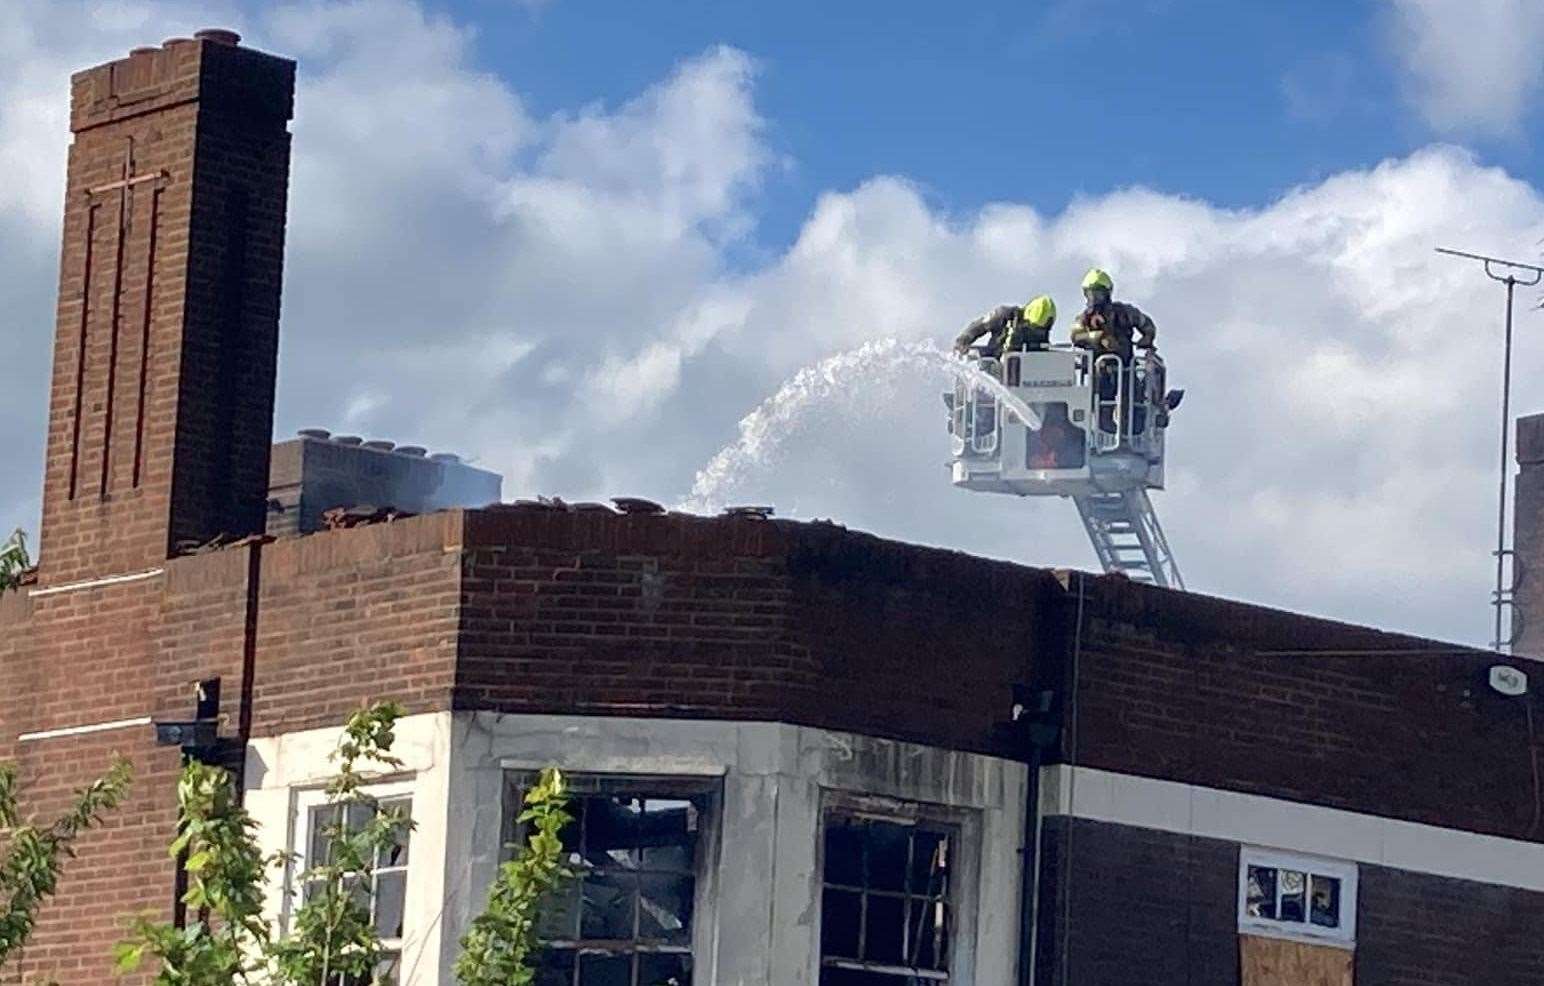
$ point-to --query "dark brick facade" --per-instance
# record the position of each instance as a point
(1220, 694)
(1528, 539)
(1129, 905)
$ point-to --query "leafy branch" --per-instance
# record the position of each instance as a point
(33, 854)
(225, 883)
(502, 942)
(334, 938)
(14, 560)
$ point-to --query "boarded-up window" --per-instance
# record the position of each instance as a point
(1280, 962)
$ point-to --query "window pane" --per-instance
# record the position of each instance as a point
(605, 970)
(928, 935)
(1324, 905)
(396, 852)
(844, 852)
(667, 832)
(611, 832)
(389, 971)
(664, 970)
(888, 859)
(929, 863)
(390, 896)
(324, 822)
(1261, 899)
(841, 915)
(557, 916)
(358, 891)
(665, 908)
(884, 926)
(610, 904)
(359, 815)
(571, 833)
(555, 968)
(1293, 888)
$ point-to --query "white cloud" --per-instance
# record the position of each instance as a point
(552, 296)
(1471, 66)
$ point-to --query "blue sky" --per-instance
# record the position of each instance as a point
(1233, 101)
(678, 249)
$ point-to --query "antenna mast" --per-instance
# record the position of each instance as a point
(1505, 272)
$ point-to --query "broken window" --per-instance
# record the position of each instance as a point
(634, 846)
(886, 916)
(383, 890)
(1296, 897)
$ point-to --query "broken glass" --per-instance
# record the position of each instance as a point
(1260, 901)
(1293, 890)
(1324, 902)
(665, 907)
(885, 911)
(609, 910)
(626, 916)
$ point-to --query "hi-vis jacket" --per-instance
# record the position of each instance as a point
(1008, 329)
(1114, 328)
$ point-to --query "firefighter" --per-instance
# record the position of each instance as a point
(1109, 326)
(1011, 328)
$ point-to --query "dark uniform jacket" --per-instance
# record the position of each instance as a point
(1009, 331)
(1114, 328)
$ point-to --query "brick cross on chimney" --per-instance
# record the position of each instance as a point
(125, 187)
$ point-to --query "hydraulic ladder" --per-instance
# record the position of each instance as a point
(1127, 538)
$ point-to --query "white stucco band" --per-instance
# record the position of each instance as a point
(1169, 806)
(758, 922)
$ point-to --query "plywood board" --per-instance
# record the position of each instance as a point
(1277, 962)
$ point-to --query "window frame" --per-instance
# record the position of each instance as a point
(1343, 936)
(958, 825)
(706, 789)
(306, 802)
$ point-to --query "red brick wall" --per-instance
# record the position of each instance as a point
(160, 414)
(164, 352)
(741, 619)
(75, 659)
(348, 617)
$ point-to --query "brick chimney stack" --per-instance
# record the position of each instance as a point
(165, 347)
(1528, 539)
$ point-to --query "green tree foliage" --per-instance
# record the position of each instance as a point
(225, 883)
(13, 560)
(501, 946)
(31, 854)
(333, 938)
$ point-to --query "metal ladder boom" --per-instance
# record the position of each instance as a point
(1127, 538)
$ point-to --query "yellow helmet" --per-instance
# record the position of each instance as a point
(1096, 278)
(1040, 312)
